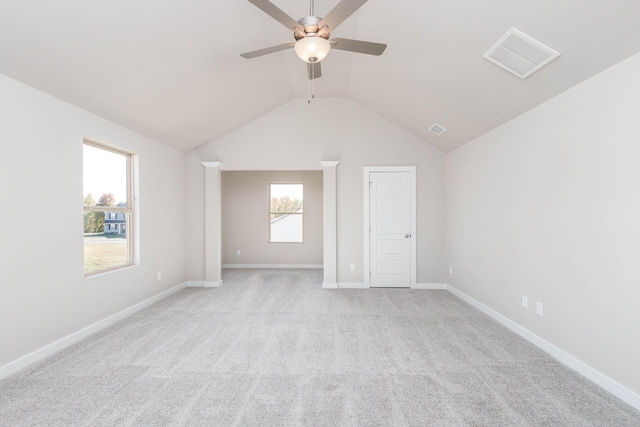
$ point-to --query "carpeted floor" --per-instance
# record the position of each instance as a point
(272, 348)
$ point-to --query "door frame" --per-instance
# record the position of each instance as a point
(413, 210)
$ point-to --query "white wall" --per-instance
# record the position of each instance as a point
(43, 293)
(297, 136)
(245, 219)
(548, 206)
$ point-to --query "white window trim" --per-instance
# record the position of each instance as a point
(288, 213)
(130, 211)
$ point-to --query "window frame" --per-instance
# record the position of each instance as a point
(288, 213)
(128, 211)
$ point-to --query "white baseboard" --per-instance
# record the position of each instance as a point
(430, 286)
(212, 284)
(201, 284)
(602, 380)
(327, 285)
(362, 285)
(352, 285)
(15, 366)
(195, 284)
(305, 266)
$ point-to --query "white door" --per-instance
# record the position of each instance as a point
(390, 229)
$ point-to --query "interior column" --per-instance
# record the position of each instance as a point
(329, 224)
(212, 225)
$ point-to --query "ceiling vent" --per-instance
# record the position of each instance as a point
(437, 129)
(520, 54)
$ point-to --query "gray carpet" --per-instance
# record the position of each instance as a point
(271, 348)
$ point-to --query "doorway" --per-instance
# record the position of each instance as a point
(390, 218)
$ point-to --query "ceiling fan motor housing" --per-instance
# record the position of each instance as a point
(311, 28)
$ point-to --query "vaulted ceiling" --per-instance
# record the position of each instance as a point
(172, 70)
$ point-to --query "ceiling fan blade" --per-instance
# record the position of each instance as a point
(342, 11)
(273, 11)
(358, 46)
(267, 50)
(314, 70)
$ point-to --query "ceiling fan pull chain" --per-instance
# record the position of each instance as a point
(311, 88)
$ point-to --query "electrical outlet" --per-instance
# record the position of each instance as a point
(238, 252)
(159, 275)
(539, 309)
(352, 267)
(525, 302)
(450, 269)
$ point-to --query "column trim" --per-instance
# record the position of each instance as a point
(210, 164)
(329, 224)
(212, 225)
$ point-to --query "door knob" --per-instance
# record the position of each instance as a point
(406, 236)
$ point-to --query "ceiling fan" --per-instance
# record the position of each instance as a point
(312, 34)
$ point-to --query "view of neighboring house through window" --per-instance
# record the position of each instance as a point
(285, 213)
(107, 208)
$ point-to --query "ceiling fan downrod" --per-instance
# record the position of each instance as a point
(311, 88)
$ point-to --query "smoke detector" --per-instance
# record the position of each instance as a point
(520, 54)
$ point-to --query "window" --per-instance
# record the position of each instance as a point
(285, 213)
(108, 208)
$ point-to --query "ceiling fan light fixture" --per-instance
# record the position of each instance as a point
(312, 48)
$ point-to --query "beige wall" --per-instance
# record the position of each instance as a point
(298, 136)
(245, 219)
(548, 206)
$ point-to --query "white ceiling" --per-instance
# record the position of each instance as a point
(172, 70)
